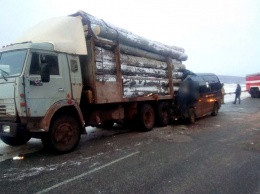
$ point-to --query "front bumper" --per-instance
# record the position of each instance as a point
(16, 129)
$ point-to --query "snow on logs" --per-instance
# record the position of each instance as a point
(132, 40)
(140, 76)
(143, 62)
(102, 29)
(139, 86)
(106, 56)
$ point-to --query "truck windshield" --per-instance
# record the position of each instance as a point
(11, 63)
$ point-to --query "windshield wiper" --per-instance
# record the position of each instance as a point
(2, 71)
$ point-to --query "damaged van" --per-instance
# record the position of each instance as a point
(199, 95)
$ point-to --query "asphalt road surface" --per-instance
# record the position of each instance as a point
(216, 155)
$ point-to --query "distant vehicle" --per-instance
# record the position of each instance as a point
(198, 96)
(253, 85)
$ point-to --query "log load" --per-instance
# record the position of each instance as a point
(134, 86)
(141, 53)
(140, 76)
(107, 67)
(102, 29)
(132, 40)
(143, 91)
(131, 81)
(107, 55)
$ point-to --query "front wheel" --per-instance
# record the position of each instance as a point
(15, 141)
(163, 114)
(215, 110)
(192, 116)
(63, 136)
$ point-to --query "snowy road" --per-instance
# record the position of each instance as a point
(215, 155)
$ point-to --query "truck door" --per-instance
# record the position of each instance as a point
(41, 96)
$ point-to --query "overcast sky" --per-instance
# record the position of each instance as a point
(219, 36)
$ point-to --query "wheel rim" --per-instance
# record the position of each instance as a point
(216, 109)
(64, 134)
(147, 118)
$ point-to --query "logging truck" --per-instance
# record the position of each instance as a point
(253, 85)
(71, 72)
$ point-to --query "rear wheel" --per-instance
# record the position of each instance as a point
(255, 93)
(252, 93)
(146, 117)
(192, 115)
(163, 114)
(15, 141)
(63, 136)
(215, 110)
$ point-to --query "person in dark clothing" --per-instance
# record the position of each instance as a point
(187, 95)
(238, 93)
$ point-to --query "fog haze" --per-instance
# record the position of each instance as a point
(221, 37)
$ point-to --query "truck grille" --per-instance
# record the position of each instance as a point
(7, 108)
(2, 110)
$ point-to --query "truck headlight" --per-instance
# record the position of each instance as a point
(6, 128)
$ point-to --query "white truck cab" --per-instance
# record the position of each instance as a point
(40, 75)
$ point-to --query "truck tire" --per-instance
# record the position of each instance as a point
(215, 110)
(146, 117)
(251, 91)
(163, 114)
(63, 136)
(255, 93)
(15, 141)
(192, 116)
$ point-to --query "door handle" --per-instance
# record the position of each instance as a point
(61, 90)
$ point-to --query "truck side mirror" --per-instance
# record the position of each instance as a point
(45, 72)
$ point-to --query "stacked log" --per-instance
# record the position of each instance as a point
(103, 29)
(140, 76)
(140, 86)
(143, 62)
(130, 60)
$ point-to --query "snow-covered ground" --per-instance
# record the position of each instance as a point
(232, 88)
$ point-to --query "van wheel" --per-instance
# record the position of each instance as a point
(192, 115)
(146, 117)
(63, 136)
(163, 114)
(215, 110)
(15, 141)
